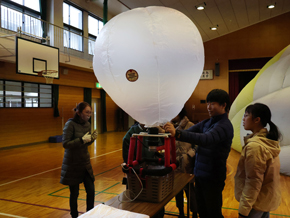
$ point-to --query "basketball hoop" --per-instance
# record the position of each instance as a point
(49, 75)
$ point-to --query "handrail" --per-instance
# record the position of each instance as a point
(39, 29)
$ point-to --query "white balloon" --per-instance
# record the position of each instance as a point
(149, 60)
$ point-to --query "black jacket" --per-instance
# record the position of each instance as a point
(214, 138)
(76, 160)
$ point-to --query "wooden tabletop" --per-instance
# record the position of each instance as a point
(149, 208)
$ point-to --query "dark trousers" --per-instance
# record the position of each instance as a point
(209, 197)
(180, 200)
(74, 193)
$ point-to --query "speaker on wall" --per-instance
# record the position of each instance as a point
(217, 69)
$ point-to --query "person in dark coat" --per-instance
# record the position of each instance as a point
(214, 138)
(76, 166)
(185, 155)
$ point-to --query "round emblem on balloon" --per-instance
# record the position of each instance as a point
(132, 75)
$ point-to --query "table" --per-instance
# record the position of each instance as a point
(149, 208)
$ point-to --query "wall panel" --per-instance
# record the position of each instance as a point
(27, 125)
(111, 116)
(31, 125)
(264, 39)
(69, 97)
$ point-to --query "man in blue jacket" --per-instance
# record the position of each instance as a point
(214, 138)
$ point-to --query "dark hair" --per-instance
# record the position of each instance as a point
(182, 113)
(263, 111)
(80, 107)
(220, 96)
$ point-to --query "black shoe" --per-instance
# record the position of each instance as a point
(194, 215)
(181, 215)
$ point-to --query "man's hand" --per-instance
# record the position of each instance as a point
(160, 130)
(169, 128)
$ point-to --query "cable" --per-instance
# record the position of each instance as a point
(130, 200)
(140, 141)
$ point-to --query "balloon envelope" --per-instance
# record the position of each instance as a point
(149, 60)
(271, 86)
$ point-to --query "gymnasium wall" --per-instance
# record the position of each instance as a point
(264, 39)
(30, 125)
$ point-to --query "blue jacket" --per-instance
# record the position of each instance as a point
(214, 138)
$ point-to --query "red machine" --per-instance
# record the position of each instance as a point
(151, 178)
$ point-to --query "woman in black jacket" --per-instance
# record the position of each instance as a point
(76, 166)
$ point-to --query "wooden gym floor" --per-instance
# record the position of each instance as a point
(29, 180)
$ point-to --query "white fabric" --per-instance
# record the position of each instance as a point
(274, 78)
(285, 160)
(271, 87)
(102, 210)
(279, 105)
(164, 47)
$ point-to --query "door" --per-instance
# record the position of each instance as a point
(96, 113)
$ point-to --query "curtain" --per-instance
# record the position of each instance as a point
(103, 93)
(88, 97)
(233, 85)
(55, 95)
(43, 14)
(103, 111)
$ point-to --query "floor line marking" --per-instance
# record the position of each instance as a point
(29, 176)
(38, 205)
(10, 215)
(106, 153)
(53, 169)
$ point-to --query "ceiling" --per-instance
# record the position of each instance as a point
(229, 15)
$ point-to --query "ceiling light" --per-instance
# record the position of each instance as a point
(271, 6)
(200, 6)
(214, 27)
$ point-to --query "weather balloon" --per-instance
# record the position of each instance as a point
(149, 60)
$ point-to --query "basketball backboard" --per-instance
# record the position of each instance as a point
(33, 57)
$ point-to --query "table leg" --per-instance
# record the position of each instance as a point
(188, 200)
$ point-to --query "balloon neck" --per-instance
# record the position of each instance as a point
(153, 141)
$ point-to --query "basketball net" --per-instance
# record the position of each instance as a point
(49, 75)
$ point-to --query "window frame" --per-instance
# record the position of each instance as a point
(23, 96)
(93, 37)
(25, 11)
(72, 29)
(21, 8)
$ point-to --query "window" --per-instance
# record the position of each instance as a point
(24, 14)
(12, 94)
(30, 95)
(24, 94)
(45, 95)
(95, 26)
(73, 25)
(32, 4)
